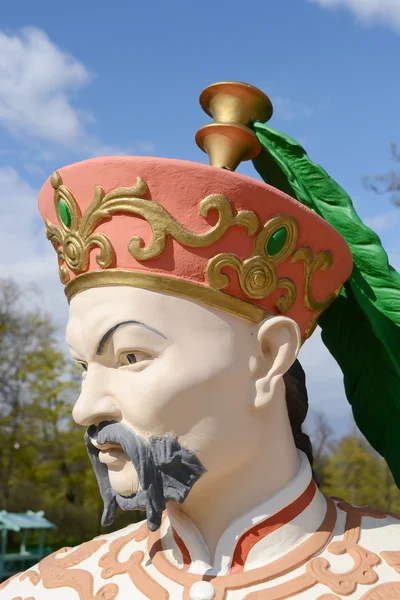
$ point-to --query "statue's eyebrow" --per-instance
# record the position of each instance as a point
(106, 337)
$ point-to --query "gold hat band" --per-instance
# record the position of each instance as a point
(169, 285)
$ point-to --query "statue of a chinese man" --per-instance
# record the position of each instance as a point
(191, 290)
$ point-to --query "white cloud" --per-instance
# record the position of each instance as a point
(139, 148)
(289, 110)
(384, 221)
(108, 150)
(37, 82)
(369, 11)
(25, 253)
(36, 78)
(285, 107)
(34, 169)
(145, 148)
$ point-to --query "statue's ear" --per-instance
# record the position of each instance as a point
(279, 343)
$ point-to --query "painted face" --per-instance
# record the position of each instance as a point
(163, 365)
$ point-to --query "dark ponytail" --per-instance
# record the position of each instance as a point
(297, 405)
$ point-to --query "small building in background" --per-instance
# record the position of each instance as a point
(31, 529)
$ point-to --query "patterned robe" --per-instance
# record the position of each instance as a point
(299, 544)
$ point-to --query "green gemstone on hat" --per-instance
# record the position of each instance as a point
(277, 241)
(64, 212)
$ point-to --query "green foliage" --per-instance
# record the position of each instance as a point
(352, 470)
(43, 461)
(361, 328)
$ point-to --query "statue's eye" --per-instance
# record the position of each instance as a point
(83, 365)
(131, 358)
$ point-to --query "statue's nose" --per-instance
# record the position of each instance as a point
(96, 403)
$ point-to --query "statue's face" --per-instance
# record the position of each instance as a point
(160, 365)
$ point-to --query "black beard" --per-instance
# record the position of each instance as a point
(166, 471)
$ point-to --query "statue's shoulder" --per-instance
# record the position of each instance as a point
(87, 569)
(372, 524)
(371, 538)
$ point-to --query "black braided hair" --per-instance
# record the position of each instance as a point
(297, 405)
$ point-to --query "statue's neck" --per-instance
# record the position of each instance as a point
(215, 502)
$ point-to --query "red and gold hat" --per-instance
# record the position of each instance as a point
(193, 230)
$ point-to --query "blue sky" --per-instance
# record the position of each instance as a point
(95, 78)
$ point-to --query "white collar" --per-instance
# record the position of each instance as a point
(270, 530)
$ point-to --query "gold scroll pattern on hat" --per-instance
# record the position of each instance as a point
(76, 236)
(257, 274)
(74, 241)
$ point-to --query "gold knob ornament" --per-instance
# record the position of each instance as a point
(233, 106)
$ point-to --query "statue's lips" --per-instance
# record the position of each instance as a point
(109, 453)
(112, 457)
(104, 447)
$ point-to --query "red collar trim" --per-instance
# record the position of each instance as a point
(251, 537)
(186, 558)
(261, 530)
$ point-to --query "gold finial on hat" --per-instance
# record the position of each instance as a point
(233, 106)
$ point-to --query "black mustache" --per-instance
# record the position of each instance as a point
(94, 430)
(166, 471)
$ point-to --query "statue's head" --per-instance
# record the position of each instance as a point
(191, 290)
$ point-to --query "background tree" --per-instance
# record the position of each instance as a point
(43, 460)
(387, 183)
(322, 444)
(355, 472)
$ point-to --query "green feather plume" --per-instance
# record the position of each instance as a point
(361, 328)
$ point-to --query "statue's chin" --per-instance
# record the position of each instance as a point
(123, 479)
